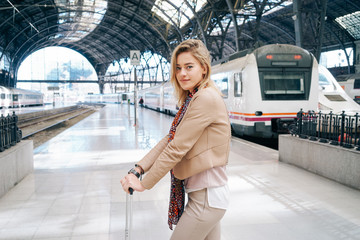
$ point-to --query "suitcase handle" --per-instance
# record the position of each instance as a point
(128, 224)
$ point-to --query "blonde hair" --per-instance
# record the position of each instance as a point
(199, 51)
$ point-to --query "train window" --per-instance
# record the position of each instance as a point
(357, 84)
(238, 84)
(283, 85)
(221, 81)
(326, 79)
(3, 96)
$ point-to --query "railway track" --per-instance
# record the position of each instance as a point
(42, 126)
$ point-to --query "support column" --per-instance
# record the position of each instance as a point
(357, 56)
(101, 84)
(297, 22)
(321, 29)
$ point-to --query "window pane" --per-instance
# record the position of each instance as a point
(357, 84)
(283, 85)
(237, 84)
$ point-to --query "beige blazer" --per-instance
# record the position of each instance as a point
(201, 141)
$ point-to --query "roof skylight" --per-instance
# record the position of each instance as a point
(350, 23)
(78, 18)
(176, 12)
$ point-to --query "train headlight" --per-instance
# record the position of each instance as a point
(258, 113)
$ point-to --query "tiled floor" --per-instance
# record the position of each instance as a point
(74, 192)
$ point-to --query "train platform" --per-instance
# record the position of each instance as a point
(74, 192)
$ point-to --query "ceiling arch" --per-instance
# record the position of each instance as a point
(226, 26)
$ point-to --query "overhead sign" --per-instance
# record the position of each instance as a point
(53, 88)
(135, 57)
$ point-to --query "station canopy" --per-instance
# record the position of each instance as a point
(105, 31)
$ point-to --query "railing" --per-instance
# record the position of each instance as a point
(10, 134)
(335, 129)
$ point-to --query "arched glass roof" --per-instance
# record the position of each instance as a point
(351, 23)
(178, 12)
(79, 18)
(106, 30)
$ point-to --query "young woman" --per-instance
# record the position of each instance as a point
(195, 151)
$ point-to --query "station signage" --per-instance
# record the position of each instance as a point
(53, 88)
(135, 57)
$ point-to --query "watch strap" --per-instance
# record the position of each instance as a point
(133, 171)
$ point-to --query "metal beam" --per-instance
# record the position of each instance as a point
(297, 17)
(237, 34)
(323, 4)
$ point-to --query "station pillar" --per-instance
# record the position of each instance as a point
(101, 86)
(357, 56)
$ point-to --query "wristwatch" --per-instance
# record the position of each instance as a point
(133, 171)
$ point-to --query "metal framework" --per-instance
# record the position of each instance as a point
(225, 26)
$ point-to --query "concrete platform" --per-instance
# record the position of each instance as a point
(16, 163)
(74, 192)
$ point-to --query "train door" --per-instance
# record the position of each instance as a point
(238, 84)
(3, 100)
(237, 90)
(15, 99)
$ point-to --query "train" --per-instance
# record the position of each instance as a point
(109, 98)
(16, 97)
(266, 87)
(263, 89)
(333, 97)
(103, 98)
(351, 85)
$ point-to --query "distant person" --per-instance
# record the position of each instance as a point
(141, 102)
(195, 151)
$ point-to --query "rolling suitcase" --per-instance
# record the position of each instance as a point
(128, 223)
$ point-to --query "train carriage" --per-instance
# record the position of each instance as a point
(352, 86)
(153, 97)
(332, 96)
(264, 89)
(170, 103)
(5, 97)
(26, 98)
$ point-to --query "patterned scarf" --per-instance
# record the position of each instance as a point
(177, 194)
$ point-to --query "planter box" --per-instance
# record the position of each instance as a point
(333, 162)
(15, 164)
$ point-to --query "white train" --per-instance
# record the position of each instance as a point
(264, 90)
(160, 98)
(352, 86)
(15, 97)
(108, 98)
(332, 96)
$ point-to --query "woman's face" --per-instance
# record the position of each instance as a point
(189, 71)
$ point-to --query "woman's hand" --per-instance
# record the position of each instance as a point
(131, 181)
